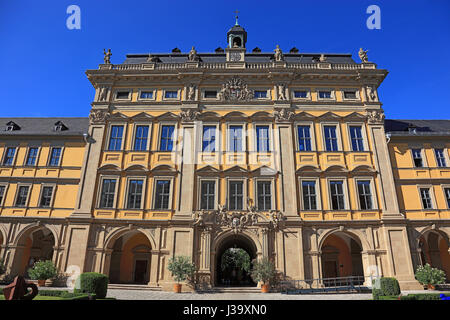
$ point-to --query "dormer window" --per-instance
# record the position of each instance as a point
(59, 126)
(11, 126)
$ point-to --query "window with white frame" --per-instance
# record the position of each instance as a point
(425, 196)
(107, 193)
(146, 95)
(208, 195)
(46, 196)
(350, 94)
(171, 94)
(440, 157)
(417, 158)
(309, 195)
(140, 138)
(337, 195)
(264, 195)
(356, 138)
(260, 94)
(122, 95)
(2, 193)
(210, 94)
(22, 196)
(209, 138)
(364, 194)
(236, 195)
(235, 138)
(330, 135)
(115, 138)
(446, 192)
(32, 156)
(300, 94)
(55, 157)
(262, 139)
(304, 138)
(166, 140)
(134, 197)
(162, 194)
(325, 94)
(9, 156)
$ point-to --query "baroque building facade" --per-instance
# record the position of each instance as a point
(283, 154)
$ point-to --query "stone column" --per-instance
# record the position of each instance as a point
(154, 268)
(265, 242)
(13, 259)
(93, 151)
(205, 271)
(287, 162)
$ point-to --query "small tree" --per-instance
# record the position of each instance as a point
(181, 268)
(43, 270)
(428, 275)
(236, 258)
(263, 270)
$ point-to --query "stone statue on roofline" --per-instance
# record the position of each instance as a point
(193, 55)
(278, 54)
(107, 57)
(363, 55)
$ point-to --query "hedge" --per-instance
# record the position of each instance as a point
(421, 296)
(93, 282)
(386, 287)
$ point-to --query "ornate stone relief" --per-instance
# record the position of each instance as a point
(103, 93)
(283, 115)
(235, 90)
(282, 92)
(98, 116)
(363, 55)
(375, 117)
(190, 92)
(189, 115)
(371, 93)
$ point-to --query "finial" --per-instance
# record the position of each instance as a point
(236, 24)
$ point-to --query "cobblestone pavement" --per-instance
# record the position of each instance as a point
(162, 295)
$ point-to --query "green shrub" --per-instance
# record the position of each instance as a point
(387, 298)
(181, 268)
(421, 296)
(52, 293)
(93, 282)
(385, 287)
(428, 275)
(263, 270)
(1, 290)
(43, 270)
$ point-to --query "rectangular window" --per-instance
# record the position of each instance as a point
(260, 94)
(9, 156)
(210, 94)
(162, 194)
(356, 137)
(264, 195)
(209, 138)
(55, 156)
(330, 138)
(262, 138)
(365, 196)
(208, 195)
(325, 94)
(446, 191)
(440, 157)
(46, 197)
(146, 95)
(309, 195)
(166, 143)
(235, 138)
(426, 198)
(171, 94)
(122, 94)
(300, 94)
(417, 157)
(22, 196)
(140, 138)
(134, 194)
(304, 138)
(32, 157)
(107, 193)
(337, 195)
(349, 94)
(115, 138)
(236, 195)
(2, 194)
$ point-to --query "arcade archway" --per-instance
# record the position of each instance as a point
(435, 251)
(231, 248)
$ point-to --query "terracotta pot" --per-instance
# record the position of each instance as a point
(41, 283)
(431, 287)
(177, 287)
(265, 288)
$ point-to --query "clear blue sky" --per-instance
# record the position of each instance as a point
(43, 63)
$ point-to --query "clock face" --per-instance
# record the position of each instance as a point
(235, 56)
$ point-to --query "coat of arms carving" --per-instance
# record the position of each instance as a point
(235, 90)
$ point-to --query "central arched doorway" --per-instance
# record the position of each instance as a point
(435, 251)
(341, 257)
(235, 248)
(130, 259)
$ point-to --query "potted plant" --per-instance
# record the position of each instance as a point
(41, 271)
(429, 276)
(263, 271)
(181, 268)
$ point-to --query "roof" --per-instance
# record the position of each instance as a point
(253, 57)
(417, 127)
(45, 126)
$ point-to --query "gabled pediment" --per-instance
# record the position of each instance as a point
(355, 116)
(304, 116)
(236, 170)
(117, 116)
(142, 116)
(168, 116)
(208, 170)
(330, 116)
(264, 171)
